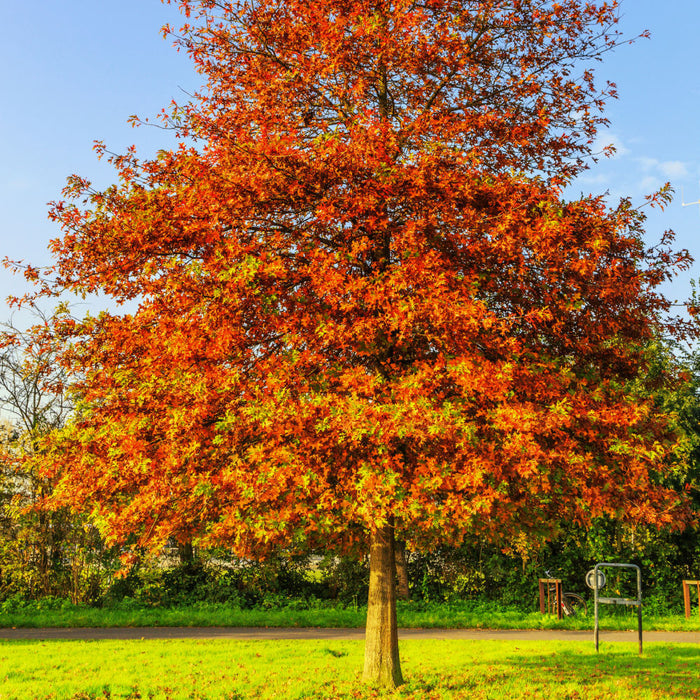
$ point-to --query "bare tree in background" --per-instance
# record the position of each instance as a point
(32, 394)
(42, 552)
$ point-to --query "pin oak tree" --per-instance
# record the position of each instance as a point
(364, 310)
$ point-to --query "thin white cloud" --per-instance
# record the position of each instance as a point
(650, 184)
(606, 139)
(598, 179)
(658, 172)
(648, 164)
(673, 168)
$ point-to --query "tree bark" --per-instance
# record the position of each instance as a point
(185, 552)
(402, 590)
(382, 666)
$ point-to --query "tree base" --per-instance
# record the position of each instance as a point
(382, 665)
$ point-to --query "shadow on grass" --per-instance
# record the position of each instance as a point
(663, 671)
(562, 671)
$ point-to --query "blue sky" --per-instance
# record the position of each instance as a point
(74, 71)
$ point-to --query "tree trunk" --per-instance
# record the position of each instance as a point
(402, 590)
(382, 666)
(186, 553)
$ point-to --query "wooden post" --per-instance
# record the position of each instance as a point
(542, 608)
(686, 595)
(552, 588)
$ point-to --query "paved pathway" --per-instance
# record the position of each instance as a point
(332, 633)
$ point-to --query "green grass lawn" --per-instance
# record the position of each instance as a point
(173, 669)
(467, 614)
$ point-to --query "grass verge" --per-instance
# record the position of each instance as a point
(426, 615)
(212, 669)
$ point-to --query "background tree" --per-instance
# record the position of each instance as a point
(43, 552)
(363, 309)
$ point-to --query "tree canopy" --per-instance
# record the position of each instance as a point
(363, 305)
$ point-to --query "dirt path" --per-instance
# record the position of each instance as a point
(332, 633)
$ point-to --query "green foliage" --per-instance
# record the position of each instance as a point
(472, 573)
(45, 553)
(215, 577)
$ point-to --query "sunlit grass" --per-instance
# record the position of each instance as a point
(173, 669)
